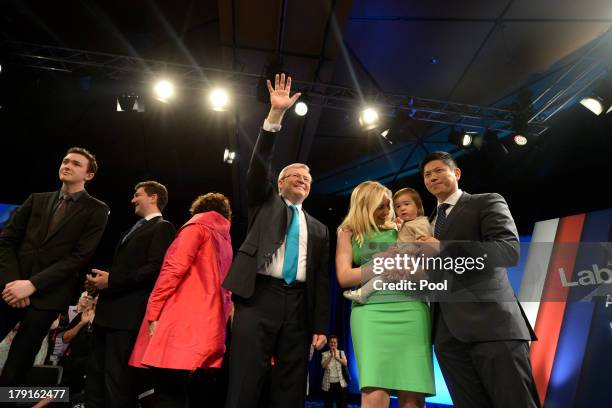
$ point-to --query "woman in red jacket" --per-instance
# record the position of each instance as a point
(184, 325)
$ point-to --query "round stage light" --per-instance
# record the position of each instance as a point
(301, 108)
(466, 140)
(219, 99)
(368, 119)
(164, 90)
(369, 116)
(520, 140)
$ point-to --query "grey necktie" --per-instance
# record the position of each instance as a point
(59, 214)
(440, 219)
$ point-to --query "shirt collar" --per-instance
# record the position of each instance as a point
(453, 198)
(73, 196)
(289, 203)
(151, 216)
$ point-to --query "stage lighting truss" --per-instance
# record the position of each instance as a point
(568, 86)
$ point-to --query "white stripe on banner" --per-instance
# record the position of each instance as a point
(536, 267)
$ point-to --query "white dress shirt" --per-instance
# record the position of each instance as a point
(151, 216)
(271, 127)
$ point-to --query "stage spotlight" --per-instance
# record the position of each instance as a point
(301, 108)
(229, 156)
(593, 103)
(520, 140)
(385, 134)
(368, 118)
(219, 99)
(164, 90)
(129, 103)
(600, 99)
(461, 138)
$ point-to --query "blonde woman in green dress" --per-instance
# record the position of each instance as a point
(390, 331)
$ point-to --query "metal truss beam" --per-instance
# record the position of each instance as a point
(245, 84)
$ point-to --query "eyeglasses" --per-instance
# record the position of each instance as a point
(437, 171)
(305, 179)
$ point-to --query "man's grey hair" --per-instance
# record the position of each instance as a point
(282, 173)
(292, 166)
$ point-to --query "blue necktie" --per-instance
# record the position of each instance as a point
(134, 228)
(292, 245)
(440, 219)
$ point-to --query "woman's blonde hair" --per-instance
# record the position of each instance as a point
(365, 199)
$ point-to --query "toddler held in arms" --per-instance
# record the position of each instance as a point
(412, 225)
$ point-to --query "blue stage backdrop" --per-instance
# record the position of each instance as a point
(5, 213)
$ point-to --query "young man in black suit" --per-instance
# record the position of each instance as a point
(279, 277)
(124, 290)
(48, 242)
(481, 334)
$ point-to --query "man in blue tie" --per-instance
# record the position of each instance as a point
(279, 278)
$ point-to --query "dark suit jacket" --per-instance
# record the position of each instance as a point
(136, 265)
(52, 263)
(268, 219)
(484, 223)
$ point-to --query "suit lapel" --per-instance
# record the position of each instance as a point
(455, 213)
(143, 228)
(76, 208)
(309, 245)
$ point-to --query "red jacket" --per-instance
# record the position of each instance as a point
(188, 301)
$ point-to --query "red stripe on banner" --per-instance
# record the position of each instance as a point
(550, 314)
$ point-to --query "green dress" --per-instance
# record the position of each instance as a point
(391, 335)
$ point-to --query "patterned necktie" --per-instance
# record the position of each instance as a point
(292, 247)
(440, 219)
(60, 213)
(134, 228)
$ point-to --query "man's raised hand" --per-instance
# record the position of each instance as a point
(280, 99)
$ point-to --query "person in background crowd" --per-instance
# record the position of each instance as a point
(334, 384)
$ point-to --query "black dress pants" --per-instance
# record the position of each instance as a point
(272, 323)
(335, 394)
(485, 374)
(111, 383)
(34, 325)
